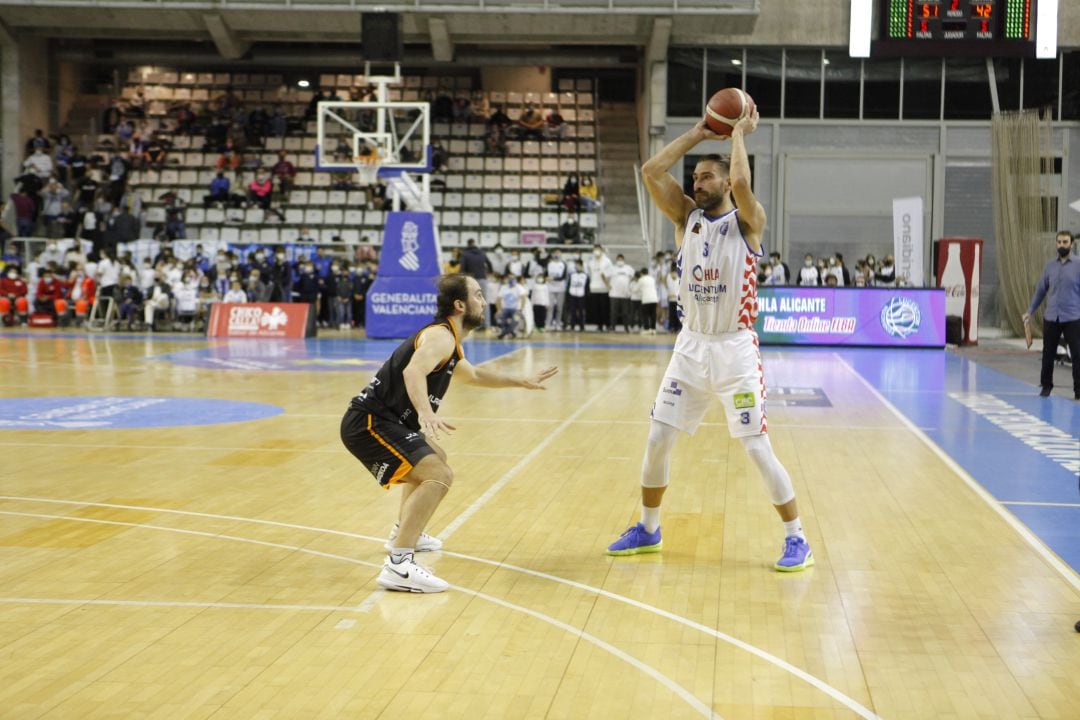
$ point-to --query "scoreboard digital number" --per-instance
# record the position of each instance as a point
(944, 28)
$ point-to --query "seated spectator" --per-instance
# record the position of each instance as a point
(481, 107)
(313, 105)
(155, 154)
(831, 281)
(130, 298)
(531, 124)
(175, 208)
(568, 232)
(261, 191)
(571, 194)
(439, 156)
(462, 109)
(12, 287)
(236, 292)
(228, 160)
(498, 124)
(554, 125)
(279, 123)
(158, 301)
(49, 290)
(40, 164)
(378, 198)
(588, 193)
(285, 173)
(110, 117)
(136, 107)
(219, 190)
(125, 131)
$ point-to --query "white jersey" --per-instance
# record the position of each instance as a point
(717, 275)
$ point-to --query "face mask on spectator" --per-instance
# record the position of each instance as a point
(258, 257)
(808, 263)
(11, 275)
(597, 253)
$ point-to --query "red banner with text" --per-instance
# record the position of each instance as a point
(261, 320)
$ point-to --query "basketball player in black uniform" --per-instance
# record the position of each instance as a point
(391, 426)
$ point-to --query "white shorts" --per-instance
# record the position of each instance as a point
(703, 367)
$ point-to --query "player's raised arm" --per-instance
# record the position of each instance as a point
(665, 190)
(751, 213)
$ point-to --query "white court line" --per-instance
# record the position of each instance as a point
(1022, 530)
(664, 680)
(768, 657)
(468, 512)
(204, 448)
(177, 604)
(1039, 504)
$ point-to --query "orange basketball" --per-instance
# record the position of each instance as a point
(725, 108)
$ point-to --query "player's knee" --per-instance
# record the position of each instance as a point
(661, 438)
(777, 481)
(654, 468)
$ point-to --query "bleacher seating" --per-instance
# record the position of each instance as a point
(482, 197)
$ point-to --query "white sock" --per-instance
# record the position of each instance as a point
(650, 518)
(794, 528)
(400, 555)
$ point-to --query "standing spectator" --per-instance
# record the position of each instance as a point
(635, 301)
(343, 296)
(65, 153)
(38, 142)
(577, 285)
(285, 173)
(509, 305)
(618, 281)
(1060, 287)
(649, 298)
(40, 164)
(556, 272)
(361, 283)
(78, 165)
(808, 274)
(308, 287)
(86, 187)
(25, 213)
(53, 198)
(119, 169)
(257, 290)
(599, 267)
(279, 124)
(282, 276)
(540, 296)
(886, 272)
(781, 272)
(845, 275)
(671, 283)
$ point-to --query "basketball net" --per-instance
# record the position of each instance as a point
(367, 167)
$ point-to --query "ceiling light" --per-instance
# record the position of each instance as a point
(303, 84)
(736, 61)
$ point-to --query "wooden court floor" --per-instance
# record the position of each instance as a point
(228, 570)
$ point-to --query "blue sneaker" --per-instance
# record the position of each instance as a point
(635, 541)
(797, 555)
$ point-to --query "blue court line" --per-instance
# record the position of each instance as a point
(928, 388)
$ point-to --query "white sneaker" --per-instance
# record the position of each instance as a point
(426, 543)
(407, 576)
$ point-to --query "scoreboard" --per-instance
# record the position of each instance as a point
(944, 28)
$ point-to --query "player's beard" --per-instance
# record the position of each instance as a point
(708, 202)
(472, 321)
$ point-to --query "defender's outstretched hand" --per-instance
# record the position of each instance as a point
(536, 383)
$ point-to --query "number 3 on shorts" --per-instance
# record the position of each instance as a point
(744, 418)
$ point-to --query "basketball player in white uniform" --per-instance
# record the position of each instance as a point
(716, 353)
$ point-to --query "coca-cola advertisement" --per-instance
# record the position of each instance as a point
(959, 268)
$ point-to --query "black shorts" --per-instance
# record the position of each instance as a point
(389, 450)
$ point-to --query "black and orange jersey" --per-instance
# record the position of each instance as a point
(386, 396)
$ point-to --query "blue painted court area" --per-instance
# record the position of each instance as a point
(117, 413)
(1020, 447)
(312, 355)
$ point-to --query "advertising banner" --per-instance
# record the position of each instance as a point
(261, 320)
(901, 317)
(908, 240)
(402, 298)
(959, 267)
